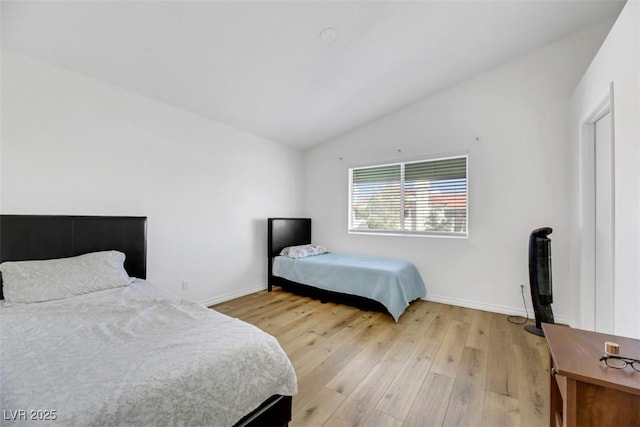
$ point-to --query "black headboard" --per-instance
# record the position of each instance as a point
(283, 232)
(37, 237)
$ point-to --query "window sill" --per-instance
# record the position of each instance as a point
(446, 235)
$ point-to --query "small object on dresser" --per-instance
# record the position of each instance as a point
(611, 348)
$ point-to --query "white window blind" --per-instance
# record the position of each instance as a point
(421, 197)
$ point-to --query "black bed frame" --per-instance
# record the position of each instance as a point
(283, 232)
(38, 237)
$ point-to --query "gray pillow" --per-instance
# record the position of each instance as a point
(38, 281)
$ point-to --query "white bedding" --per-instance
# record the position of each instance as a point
(134, 355)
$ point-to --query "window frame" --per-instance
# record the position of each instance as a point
(402, 231)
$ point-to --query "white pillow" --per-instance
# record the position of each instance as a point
(37, 281)
(303, 251)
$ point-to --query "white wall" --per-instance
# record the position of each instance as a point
(517, 176)
(617, 63)
(73, 145)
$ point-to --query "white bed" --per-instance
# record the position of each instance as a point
(135, 355)
(82, 343)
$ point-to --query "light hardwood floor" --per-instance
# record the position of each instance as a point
(439, 365)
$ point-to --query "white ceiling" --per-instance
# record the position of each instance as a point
(262, 66)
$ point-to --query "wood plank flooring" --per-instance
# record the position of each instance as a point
(440, 365)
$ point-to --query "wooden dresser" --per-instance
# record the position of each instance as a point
(584, 391)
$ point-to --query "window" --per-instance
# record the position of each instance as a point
(422, 197)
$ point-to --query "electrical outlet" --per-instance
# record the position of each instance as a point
(185, 285)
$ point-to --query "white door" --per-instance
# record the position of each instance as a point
(603, 265)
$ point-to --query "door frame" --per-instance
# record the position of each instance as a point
(587, 219)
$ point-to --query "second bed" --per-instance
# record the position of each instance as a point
(386, 284)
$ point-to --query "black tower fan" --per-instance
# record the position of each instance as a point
(540, 278)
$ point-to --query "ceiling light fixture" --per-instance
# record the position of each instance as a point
(328, 35)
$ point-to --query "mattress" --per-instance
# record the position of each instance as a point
(392, 282)
(134, 355)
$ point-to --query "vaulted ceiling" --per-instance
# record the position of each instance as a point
(267, 67)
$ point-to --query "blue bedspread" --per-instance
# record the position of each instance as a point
(392, 282)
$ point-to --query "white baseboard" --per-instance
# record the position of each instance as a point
(496, 308)
(232, 295)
